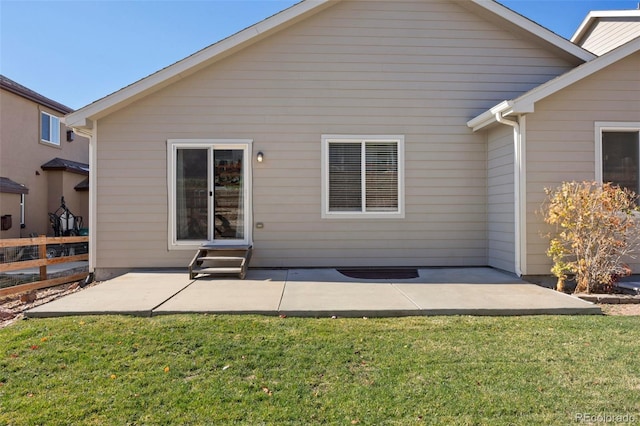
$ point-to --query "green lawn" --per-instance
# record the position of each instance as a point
(199, 369)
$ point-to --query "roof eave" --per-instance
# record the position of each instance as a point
(16, 88)
(582, 29)
(8, 186)
(525, 103)
(536, 29)
(593, 16)
(84, 117)
(488, 117)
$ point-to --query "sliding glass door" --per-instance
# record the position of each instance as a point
(228, 198)
(209, 192)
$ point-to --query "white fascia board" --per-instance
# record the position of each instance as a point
(489, 117)
(596, 14)
(192, 63)
(525, 103)
(584, 26)
(536, 29)
(76, 122)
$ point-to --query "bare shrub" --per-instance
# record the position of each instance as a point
(597, 230)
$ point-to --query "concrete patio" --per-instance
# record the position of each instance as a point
(318, 293)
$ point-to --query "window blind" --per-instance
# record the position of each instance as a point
(345, 177)
(381, 177)
(363, 176)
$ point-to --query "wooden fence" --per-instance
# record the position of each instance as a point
(41, 261)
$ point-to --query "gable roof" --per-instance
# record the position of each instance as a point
(594, 16)
(526, 102)
(66, 165)
(20, 90)
(82, 186)
(8, 186)
(82, 119)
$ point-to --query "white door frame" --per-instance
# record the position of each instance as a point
(211, 144)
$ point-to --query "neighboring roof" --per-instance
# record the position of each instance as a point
(13, 87)
(526, 102)
(7, 186)
(66, 165)
(82, 186)
(83, 118)
(593, 17)
(532, 28)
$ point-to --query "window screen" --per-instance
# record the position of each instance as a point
(363, 176)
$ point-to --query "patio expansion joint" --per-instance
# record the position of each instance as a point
(151, 311)
(284, 287)
(406, 296)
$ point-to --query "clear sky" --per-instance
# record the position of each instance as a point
(76, 52)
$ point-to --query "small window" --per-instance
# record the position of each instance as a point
(618, 154)
(363, 176)
(620, 157)
(49, 128)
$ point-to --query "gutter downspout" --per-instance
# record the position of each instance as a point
(518, 189)
(91, 134)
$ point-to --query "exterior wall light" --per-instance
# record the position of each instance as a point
(260, 157)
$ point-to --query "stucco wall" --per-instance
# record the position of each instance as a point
(10, 205)
(22, 154)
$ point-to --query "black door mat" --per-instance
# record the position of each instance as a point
(380, 274)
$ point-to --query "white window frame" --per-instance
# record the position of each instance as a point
(172, 148)
(610, 126)
(54, 129)
(328, 139)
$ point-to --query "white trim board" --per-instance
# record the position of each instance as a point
(526, 103)
(597, 14)
(85, 116)
(210, 144)
(611, 126)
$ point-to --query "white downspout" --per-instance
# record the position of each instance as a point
(92, 135)
(518, 184)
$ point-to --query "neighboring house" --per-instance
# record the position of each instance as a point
(335, 134)
(603, 31)
(41, 161)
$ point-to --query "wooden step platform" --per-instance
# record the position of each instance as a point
(220, 260)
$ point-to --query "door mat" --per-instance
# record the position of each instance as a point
(380, 274)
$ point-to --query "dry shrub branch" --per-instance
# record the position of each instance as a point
(597, 230)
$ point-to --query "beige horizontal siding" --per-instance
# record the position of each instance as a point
(609, 33)
(500, 199)
(420, 69)
(561, 145)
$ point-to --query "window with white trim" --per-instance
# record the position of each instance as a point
(363, 176)
(49, 128)
(209, 184)
(619, 151)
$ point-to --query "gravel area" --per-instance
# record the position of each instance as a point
(628, 309)
(12, 307)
